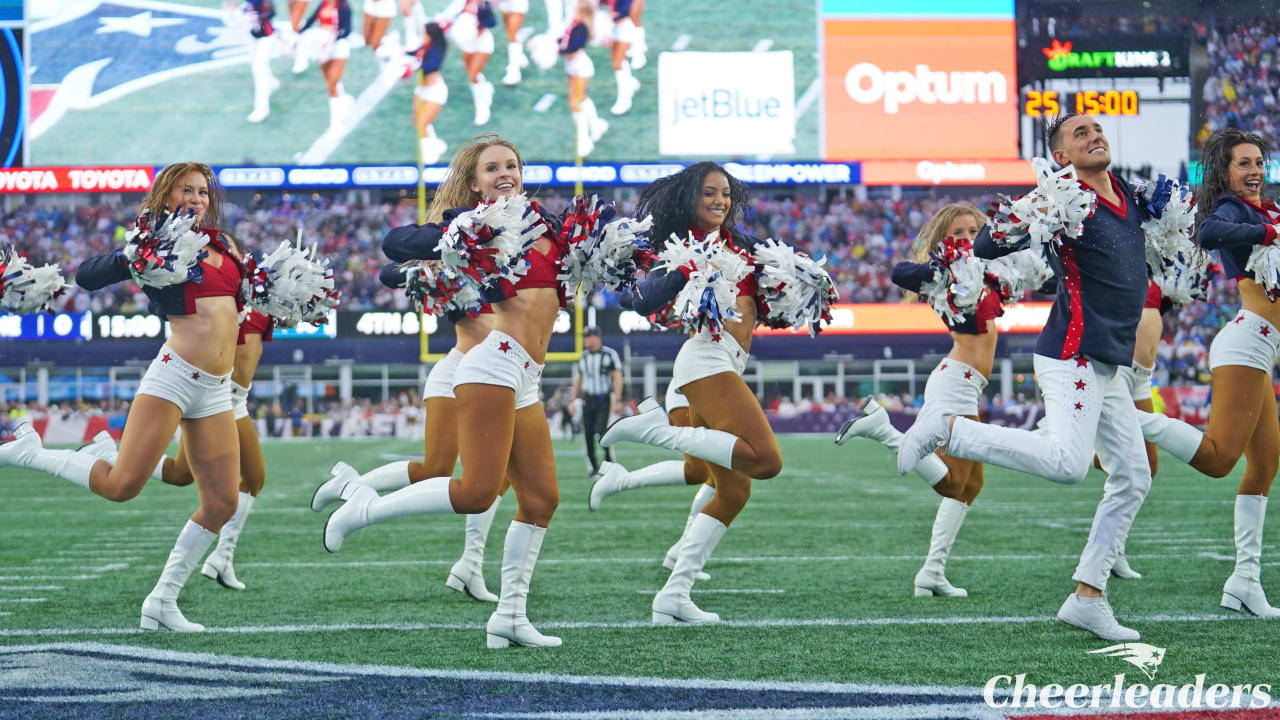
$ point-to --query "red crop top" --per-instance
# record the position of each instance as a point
(221, 281)
(544, 270)
(255, 323)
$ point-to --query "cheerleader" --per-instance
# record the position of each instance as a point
(414, 18)
(502, 428)
(588, 126)
(324, 38)
(468, 24)
(1235, 219)
(440, 432)
(731, 432)
(624, 36)
(187, 385)
(637, 50)
(1090, 332)
(264, 39)
(513, 13)
(431, 95)
(378, 15)
(956, 384)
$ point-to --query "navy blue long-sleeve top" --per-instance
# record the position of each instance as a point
(1233, 228)
(913, 276)
(660, 288)
(1102, 283)
(575, 38)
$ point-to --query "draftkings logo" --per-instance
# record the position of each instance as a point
(1005, 691)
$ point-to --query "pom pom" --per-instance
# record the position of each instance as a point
(710, 297)
(958, 280)
(290, 285)
(167, 251)
(487, 245)
(1264, 261)
(1015, 274)
(435, 291)
(797, 291)
(602, 250)
(1055, 210)
(1178, 266)
(543, 51)
(27, 289)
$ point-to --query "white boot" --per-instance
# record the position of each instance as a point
(1095, 616)
(509, 623)
(466, 575)
(516, 61)
(584, 145)
(264, 83)
(218, 565)
(1173, 436)
(637, 53)
(387, 478)
(596, 125)
(700, 500)
(651, 427)
(872, 421)
(331, 490)
(160, 609)
(932, 579)
(413, 23)
(27, 451)
(103, 447)
(1243, 589)
(614, 479)
(431, 148)
(339, 108)
(672, 603)
(628, 85)
(364, 507)
(482, 95)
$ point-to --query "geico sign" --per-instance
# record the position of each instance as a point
(867, 83)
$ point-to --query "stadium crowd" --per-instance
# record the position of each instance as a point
(1240, 90)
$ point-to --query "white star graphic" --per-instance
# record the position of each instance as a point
(141, 24)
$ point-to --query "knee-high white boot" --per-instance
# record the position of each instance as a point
(160, 609)
(1244, 588)
(264, 82)
(509, 623)
(364, 507)
(932, 579)
(651, 427)
(1173, 436)
(872, 421)
(466, 575)
(218, 566)
(672, 603)
(27, 451)
(700, 500)
(615, 478)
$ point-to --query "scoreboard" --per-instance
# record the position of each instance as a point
(1051, 103)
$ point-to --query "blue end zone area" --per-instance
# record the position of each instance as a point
(91, 680)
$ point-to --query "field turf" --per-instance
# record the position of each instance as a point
(814, 579)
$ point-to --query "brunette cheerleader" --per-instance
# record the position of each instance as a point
(589, 127)
(324, 39)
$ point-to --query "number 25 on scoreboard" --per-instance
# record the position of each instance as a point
(1042, 104)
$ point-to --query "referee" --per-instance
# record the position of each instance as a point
(597, 375)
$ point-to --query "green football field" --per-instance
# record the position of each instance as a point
(202, 116)
(813, 579)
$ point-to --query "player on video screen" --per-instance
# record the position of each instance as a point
(467, 24)
(431, 94)
(324, 39)
(263, 31)
(589, 126)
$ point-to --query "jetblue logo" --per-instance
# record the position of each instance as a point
(94, 53)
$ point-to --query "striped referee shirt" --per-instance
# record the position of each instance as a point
(596, 370)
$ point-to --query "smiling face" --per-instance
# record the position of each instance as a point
(1246, 172)
(191, 192)
(713, 202)
(497, 173)
(963, 227)
(1080, 143)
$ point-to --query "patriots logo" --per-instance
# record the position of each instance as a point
(86, 54)
(1146, 658)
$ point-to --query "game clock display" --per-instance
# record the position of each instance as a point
(1051, 103)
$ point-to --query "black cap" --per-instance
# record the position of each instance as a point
(591, 330)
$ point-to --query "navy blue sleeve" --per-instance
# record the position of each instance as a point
(433, 58)
(310, 21)
(392, 276)
(911, 276)
(485, 16)
(655, 292)
(576, 40)
(413, 242)
(985, 248)
(1229, 226)
(621, 9)
(344, 20)
(101, 271)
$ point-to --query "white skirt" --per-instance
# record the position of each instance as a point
(1248, 340)
(196, 393)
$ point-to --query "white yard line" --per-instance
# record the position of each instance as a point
(22, 578)
(22, 600)
(763, 45)
(544, 103)
(727, 591)
(369, 99)
(681, 42)
(633, 624)
(30, 587)
(810, 96)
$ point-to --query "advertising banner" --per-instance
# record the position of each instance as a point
(719, 103)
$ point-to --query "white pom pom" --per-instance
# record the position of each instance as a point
(489, 243)
(1178, 266)
(958, 281)
(796, 289)
(165, 252)
(24, 288)
(436, 291)
(1264, 261)
(543, 51)
(290, 285)
(1020, 272)
(1056, 209)
(710, 297)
